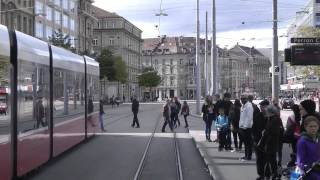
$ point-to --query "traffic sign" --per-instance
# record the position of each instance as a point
(305, 40)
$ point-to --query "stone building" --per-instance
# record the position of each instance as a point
(17, 14)
(123, 39)
(241, 69)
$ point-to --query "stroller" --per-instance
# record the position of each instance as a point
(293, 174)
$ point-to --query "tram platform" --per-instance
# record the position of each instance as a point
(223, 165)
(226, 165)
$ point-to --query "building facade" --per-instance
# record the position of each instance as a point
(17, 14)
(299, 85)
(123, 39)
(86, 24)
(241, 69)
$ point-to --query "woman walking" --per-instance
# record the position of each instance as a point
(185, 112)
(208, 116)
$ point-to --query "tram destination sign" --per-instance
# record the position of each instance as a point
(305, 40)
(305, 55)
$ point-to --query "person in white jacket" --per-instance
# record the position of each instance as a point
(245, 125)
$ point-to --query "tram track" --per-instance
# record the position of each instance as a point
(142, 163)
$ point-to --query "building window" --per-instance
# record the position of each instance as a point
(25, 3)
(171, 81)
(95, 42)
(65, 4)
(72, 5)
(156, 62)
(57, 17)
(73, 41)
(181, 60)
(65, 21)
(25, 22)
(57, 2)
(38, 7)
(111, 41)
(113, 24)
(72, 25)
(49, 32)
(171, 61)
(49, 13)
(39, 30)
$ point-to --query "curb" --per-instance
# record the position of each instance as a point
(202, 153)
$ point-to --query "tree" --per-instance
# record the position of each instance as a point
(107, 65)
(121, 74)
(309, 31)
(61, 40)
(149, 78)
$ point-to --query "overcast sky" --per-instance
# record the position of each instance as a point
(245, 21)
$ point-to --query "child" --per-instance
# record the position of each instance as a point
(308, 148)
(222, 125)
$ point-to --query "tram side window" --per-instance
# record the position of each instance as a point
(33, 95)
(68, 94)
(4, 84)
(94, 90)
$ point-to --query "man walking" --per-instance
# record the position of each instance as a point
(245, 125)
(135, 110)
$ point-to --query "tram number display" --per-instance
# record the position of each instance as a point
(305, 55)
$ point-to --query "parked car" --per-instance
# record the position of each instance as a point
(287, 103)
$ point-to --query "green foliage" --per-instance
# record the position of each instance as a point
(60, 40)
(121, 70)
(107, 61)
(309, 31)
(3, 73)
(149, 78)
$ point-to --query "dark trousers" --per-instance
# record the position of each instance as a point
(222, 135)
(247, 138)
(271, 164)
(208, 128)
(40, 121)
(185, 120)
(228, 139)
(177, 120)
(237, 145)
(173, 119)
(166, 122)
(135, 119)
(260, 162)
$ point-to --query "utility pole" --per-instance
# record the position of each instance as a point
(206, 58)
(213, 52)
(275, 75)
(198, 64)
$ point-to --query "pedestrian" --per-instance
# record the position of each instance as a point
(101, 116)
(245, 125)
(166, 116)
(234, 120)
(259, 125)
(308, 147)
(307, 108)
(222, 125)
(135, 110)
(217, 104)
(112, 100)
(292, 133)
(39, 113)
(178, 104)
(173, 112)
(124, 98)
(270, 140)
(208, 115)
(227, 105)
(185, 111)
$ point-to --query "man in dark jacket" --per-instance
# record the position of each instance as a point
(178, 104)
(259, 124)
(135, 110)
(270, 139)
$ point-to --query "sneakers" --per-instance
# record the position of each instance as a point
(245, 159)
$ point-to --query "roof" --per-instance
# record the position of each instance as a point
(101, 13)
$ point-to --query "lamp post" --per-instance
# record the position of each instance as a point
(275, 79)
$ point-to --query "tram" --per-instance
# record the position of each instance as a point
(49, 90)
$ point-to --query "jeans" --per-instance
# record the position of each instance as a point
(101, 122)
